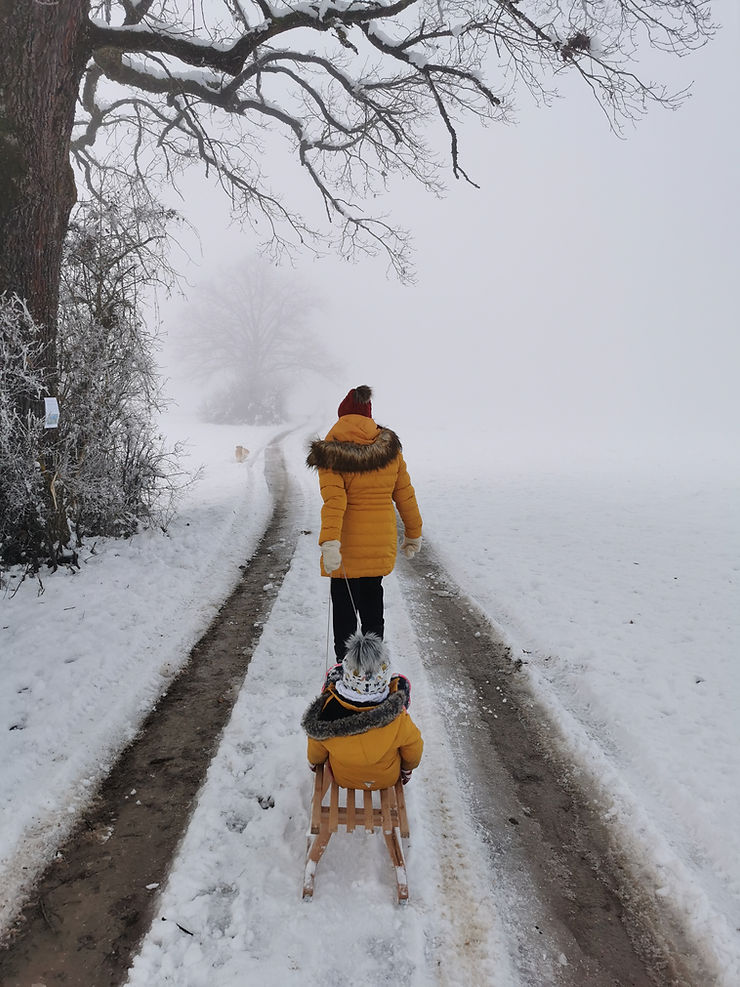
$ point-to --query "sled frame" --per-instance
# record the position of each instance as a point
(383, 810)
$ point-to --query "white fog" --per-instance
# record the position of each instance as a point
(588, 287)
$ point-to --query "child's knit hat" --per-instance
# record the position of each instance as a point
(366, 669)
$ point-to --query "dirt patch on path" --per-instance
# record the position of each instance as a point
(573, 914)
(95, 902)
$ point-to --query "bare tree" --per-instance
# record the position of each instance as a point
(350, 87)
(249, 338)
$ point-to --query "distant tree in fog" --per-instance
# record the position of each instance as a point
(249, 337)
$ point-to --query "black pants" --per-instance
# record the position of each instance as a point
(367, 593)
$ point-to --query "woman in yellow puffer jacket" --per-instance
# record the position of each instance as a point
(362, 474)
(359, 722)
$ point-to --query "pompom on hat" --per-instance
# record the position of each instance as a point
(366, 669)
(357, 402)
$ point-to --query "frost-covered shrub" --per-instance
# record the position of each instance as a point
(23, 506)
(106, 470)
(118, 471)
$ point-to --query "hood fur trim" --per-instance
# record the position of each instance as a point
(354, 457)
(348, 726)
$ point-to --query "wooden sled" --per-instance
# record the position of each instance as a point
(386, 811)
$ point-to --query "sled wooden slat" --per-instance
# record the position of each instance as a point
(321, 784)
(385, 809)
(403, 819)
(333, 808)
(368, 813)
(316, 809)
(351, 806)
(386, 812)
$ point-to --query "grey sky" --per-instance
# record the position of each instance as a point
(590, 283)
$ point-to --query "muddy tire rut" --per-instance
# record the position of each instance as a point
(92, 906)
(554, 859)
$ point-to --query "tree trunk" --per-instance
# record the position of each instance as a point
(42, 58)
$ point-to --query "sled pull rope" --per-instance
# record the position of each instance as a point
(328, 631)
(328, 617)
(351, 598)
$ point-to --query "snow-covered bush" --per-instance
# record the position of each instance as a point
(22, 501)
(117, 470)
(106, 469)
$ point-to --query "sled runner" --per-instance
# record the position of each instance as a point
(384, 810)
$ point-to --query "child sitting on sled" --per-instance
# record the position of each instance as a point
(360, 722)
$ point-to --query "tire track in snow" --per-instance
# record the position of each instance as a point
(570, 915)
(458, 888)
(94, 902)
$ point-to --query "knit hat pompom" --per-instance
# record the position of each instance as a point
(366, 669)
(357, 402)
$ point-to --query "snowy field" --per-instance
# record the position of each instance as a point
(613, 575)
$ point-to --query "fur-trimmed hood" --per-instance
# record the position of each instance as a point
(359, 722)
(354, 457)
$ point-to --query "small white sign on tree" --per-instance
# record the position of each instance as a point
(51, 407)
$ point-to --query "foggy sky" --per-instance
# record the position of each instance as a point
(590, 283)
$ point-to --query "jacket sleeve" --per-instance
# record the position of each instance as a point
(317, 753)
(411, 745)
(405, 498)
(334, 495)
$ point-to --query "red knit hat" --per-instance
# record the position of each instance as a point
(357, 402)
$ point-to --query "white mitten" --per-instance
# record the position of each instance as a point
(410, 546)
(331, 556)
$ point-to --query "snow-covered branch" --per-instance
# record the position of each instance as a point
(353, 86)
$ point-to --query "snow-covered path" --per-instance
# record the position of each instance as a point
(236, 883)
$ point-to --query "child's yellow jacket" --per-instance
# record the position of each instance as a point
(366, 745)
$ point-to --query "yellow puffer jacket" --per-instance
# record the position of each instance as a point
(366, 746)
(362, 474)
